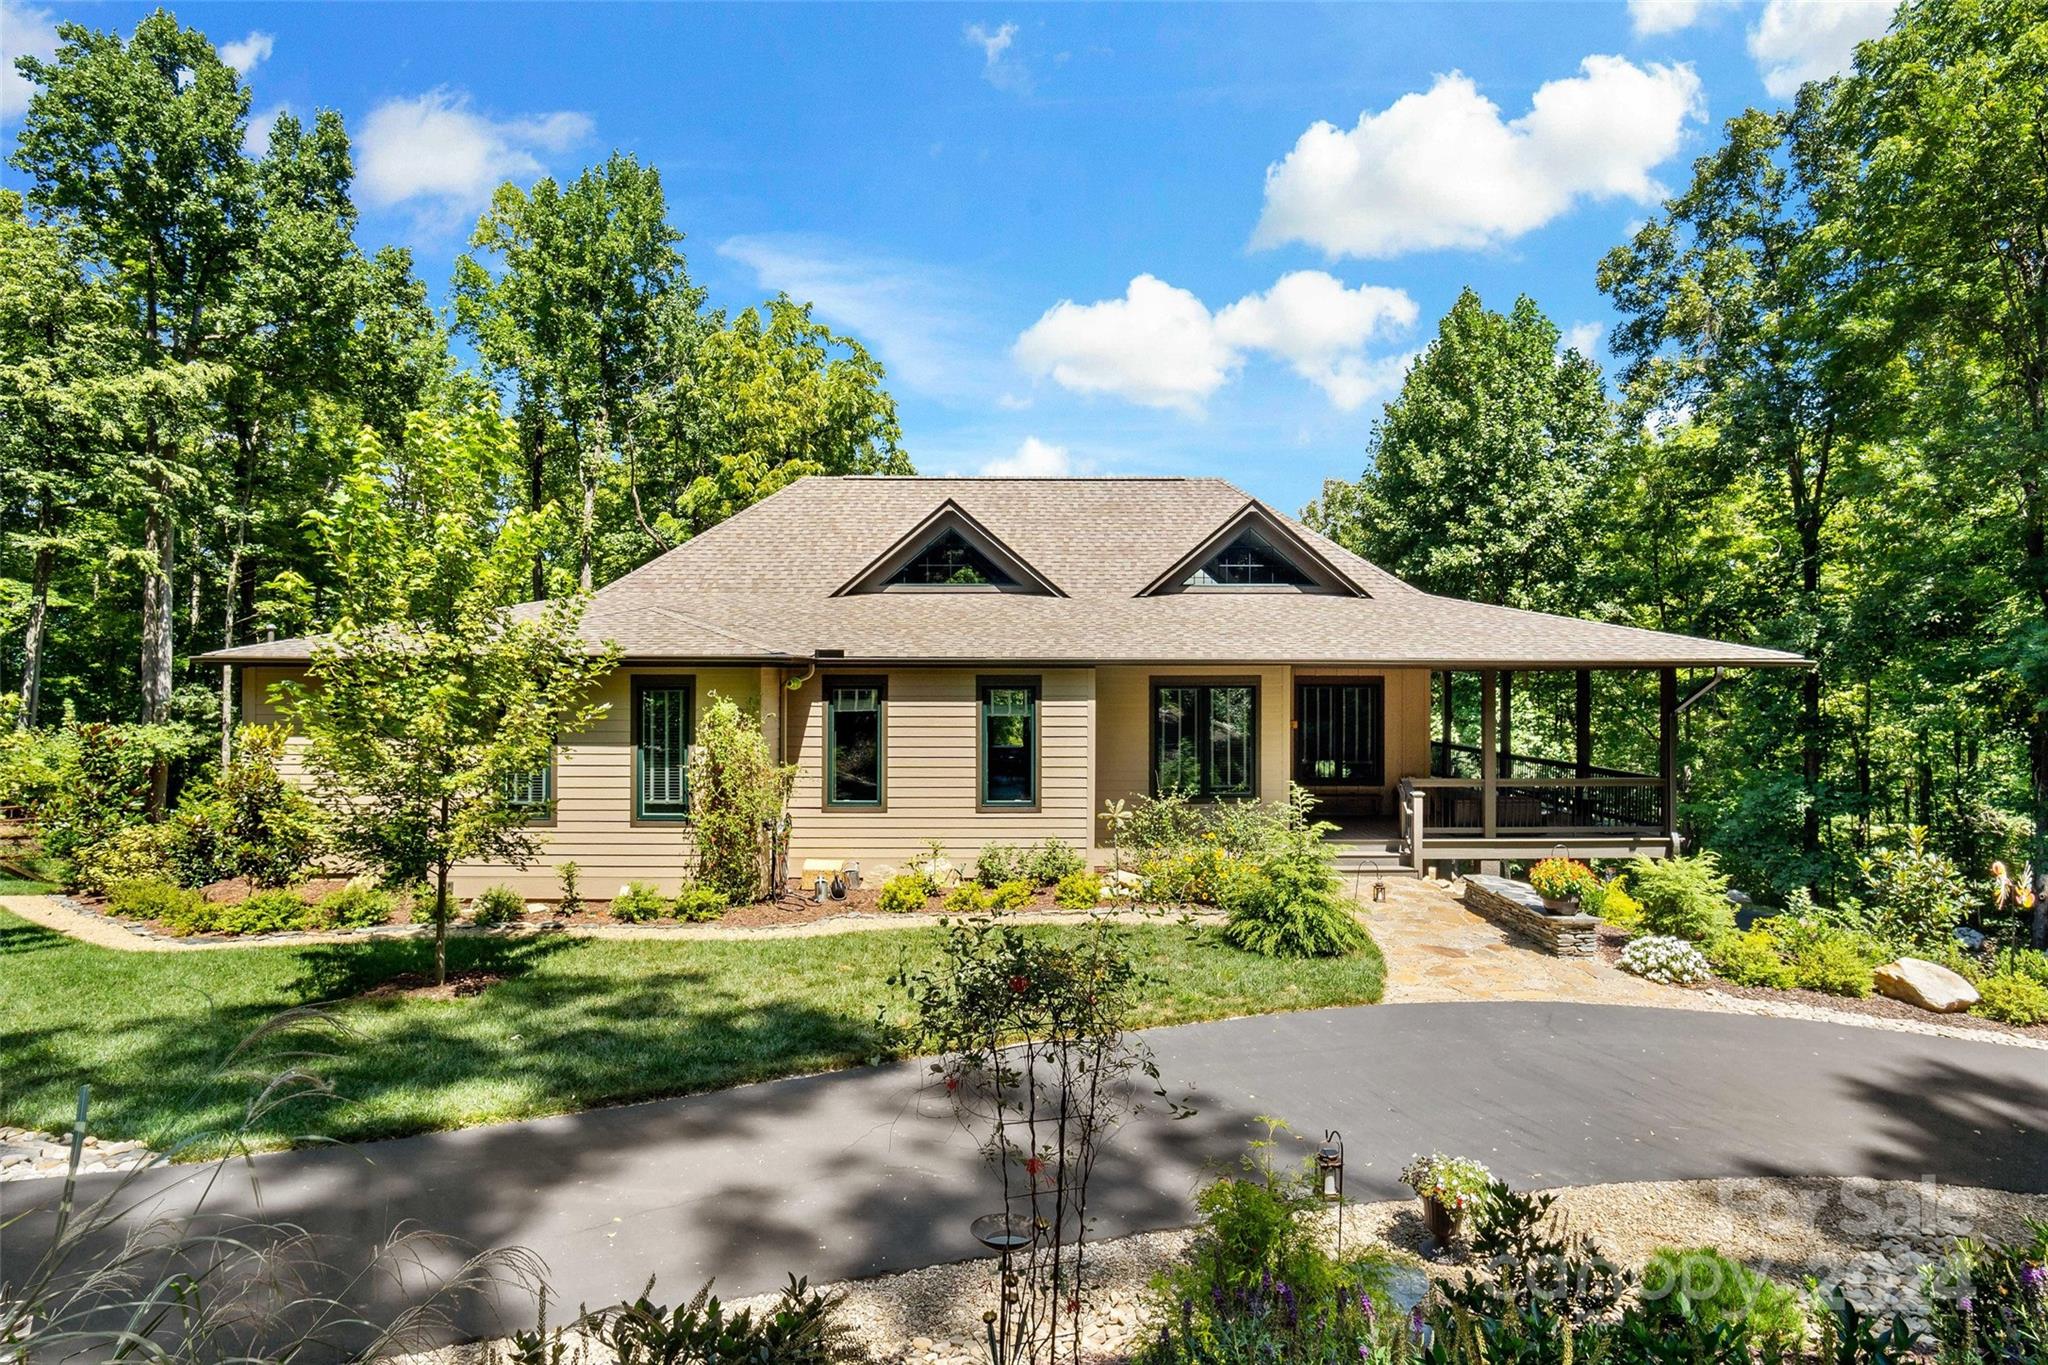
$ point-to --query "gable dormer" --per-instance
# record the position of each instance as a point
(949, 551)
(1254, 551)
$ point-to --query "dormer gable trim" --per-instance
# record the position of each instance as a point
(1259, 520)
(949, 517)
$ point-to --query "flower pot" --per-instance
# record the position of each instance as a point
(1440, 1222)
(1561, 905)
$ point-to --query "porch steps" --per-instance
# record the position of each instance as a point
(1382, 858)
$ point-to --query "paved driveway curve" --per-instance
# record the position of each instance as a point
(861, 1172)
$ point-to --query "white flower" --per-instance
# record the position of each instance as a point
(1667, 961)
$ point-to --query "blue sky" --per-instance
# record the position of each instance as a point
(1138, 239)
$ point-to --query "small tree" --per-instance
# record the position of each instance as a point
(739, 796)
(430, 698)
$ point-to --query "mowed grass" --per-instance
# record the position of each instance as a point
(577, 1023)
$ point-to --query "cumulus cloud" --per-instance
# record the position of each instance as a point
(1161, 347)
(246, 54)
(1443, 169)
(1796, 41)
(437, 150)
(1000, 66)
(30, 32)
(1034, 459)
(256, 136)
(1584, 337)
(1648, 18)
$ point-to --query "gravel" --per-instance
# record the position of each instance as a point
(26, 1154)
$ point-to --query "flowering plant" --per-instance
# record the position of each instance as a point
(1559, 879)
(1668, 961)
(1455, 1182)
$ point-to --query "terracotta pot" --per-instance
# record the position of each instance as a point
(1440, 1222)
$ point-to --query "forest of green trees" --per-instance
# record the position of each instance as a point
(1826, 429)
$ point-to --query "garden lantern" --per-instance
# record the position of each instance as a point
(1330, 1167)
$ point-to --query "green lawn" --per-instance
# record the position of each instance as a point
(581, 1022)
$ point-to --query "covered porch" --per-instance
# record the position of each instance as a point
(1487, 800)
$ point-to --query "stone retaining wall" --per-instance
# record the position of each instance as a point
(1516, 907)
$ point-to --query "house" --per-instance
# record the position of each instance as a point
(991, 660)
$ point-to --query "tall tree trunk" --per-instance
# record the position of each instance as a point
(583, 556)
(230, 594)
(536, 493)
(441, 916)
(38, 631)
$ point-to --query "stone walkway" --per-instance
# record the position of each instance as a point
(1438, 951)
(28, 1155)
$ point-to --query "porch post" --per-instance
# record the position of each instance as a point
(1667, 749)
(1507, 722)
(1582, 724)
(1415, 800)
(1449, 730)
(1489, 751)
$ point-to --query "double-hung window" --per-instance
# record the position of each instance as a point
(1205, 739)
(662, 714)
(853, 741)
(531, 790)
(1009, 743)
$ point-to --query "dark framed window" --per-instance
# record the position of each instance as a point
(663, 716)
(532, 790)
(950, 562)
(854, 731)
(1009, 742)
(1339, 732)
(1205, 739)
(1249, 562)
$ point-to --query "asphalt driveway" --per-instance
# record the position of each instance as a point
(865, 1171)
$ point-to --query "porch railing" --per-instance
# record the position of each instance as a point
(1463, 760)
(1606, 804)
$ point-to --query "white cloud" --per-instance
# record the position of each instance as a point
(1796, 41)
(1034, 459)
(1157, 345)
(1000, 66)
(1647, 18)
(246, 54)
(924, 322)
(1585, 338)
(29, 33)
(436, 148)
(1443, 169)
(256, 136)
(1160, 346)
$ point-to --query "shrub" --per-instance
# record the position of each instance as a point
(357, 906)
(136, 853)
(270, 911)
(968, 898)
(1078, 891)
(2030, 963)
(1750, 959)
(638, 902)
(1683, 897)
(1291, 907)
(934, 867)
(1823, 958)
(496, 905)
(1915, 897)
(1011, 895)
(803, 1328)
(998, 863)
(903, 892)
(571, 875)
(1052, 860)
(1614, 904)
(180, 911)
(1988, 1302)
(1563, 878)
(737, 791)
(102, 782)
(1701, 1287)
(2013, 999)
(249, 821)
(1666, 960)
(699, 904)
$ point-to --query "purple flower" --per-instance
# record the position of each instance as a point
(1415, 1320)
(2034, 1276)
(1364, 1351)
(1365, 1307)
(1966, 1304)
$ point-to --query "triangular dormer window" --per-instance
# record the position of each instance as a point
(1248, 562)
(949, 551)
(950, 562)
(1255, 549)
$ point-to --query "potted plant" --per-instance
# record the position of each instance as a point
(1448, 1186)
(1561, 882)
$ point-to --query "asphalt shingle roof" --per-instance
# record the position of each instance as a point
(759, 587)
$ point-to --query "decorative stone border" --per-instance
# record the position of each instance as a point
(1516, 907)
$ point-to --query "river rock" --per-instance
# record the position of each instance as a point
(1929, 985)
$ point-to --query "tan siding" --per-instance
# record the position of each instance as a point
(930, 771)
(1124, 765)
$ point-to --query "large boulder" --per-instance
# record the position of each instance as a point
(1929, 985)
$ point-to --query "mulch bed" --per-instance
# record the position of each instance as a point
(1612, 941)
(419, 986)
(790, 908)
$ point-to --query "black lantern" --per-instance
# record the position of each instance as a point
(1330, 1168)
